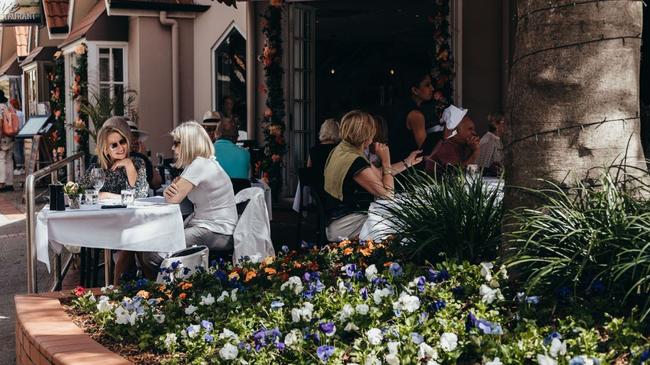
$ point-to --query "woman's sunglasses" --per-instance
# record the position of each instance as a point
(122, 142)
(176, 143)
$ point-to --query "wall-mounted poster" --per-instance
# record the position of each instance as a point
(14, 12)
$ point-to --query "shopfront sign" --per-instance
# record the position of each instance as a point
(16, 12)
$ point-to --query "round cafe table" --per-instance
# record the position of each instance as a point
(146, 225)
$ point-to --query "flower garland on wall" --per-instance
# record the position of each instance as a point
(80, 96)
(273, 126)
(57, 105)
(442, 72)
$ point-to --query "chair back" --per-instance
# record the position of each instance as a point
(252, 234)
(190, 257)
(240, 184)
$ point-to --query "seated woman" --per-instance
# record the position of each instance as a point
(328, 137)
(351, 182)
(121, 172)
(207, 186)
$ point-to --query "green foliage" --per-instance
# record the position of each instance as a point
(453, 216)
(585, 240)
(102, 106)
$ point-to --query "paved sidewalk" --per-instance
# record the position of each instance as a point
(13, 274)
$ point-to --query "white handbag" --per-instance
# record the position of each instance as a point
(181, 264)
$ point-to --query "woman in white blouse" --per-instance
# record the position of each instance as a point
(207, 186)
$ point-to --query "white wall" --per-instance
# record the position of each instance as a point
(208, 28)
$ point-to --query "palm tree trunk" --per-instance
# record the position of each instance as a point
(574, 92)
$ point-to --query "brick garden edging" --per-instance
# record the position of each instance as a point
(45, 335)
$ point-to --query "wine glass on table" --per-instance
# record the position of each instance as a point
(98, 178)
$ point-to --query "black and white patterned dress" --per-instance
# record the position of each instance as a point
(117, 180)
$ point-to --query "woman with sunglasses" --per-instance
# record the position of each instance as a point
(121, 172)
(207, 186)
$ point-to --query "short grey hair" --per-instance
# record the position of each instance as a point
(329, 130)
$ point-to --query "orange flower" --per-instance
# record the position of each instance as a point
(297, 265)
(185, 285)
(143, 294)
(270, 271)
(387, 264)
(344, 243)
(268, 261)
(348, 251)
(367, 250)
(250, 276)
(276, 2)
(182, 296)
(233, 276)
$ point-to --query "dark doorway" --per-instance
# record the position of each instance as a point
(362, 50)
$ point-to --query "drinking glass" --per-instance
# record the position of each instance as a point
(98, 178)
(92, 197)
(128, 196)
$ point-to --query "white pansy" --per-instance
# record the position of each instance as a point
(558, 347)
(228, 352)
(350, 327)
(341, 285)
(296, 313)
(486, 272)
(495, 361)
(160, 318)
(346, 312)
(105, 289)
(406, 302)
(122, 316)
(293, 337)
(223, 296)
(374, 336)
(92, 299)
(207, 300)
(371, 272)
(372, 360)
(228, 334)
(193, 330)
(448, 341)
(378, 295)
(489, 295)
(432, 362)
(170, 340)
(104, 305)
(392, 359)
(233, 295)
(504, 272)
(426, 352)
(545, 360)
(393, 347)
(362, 309)
(190, 309)
(294, 284)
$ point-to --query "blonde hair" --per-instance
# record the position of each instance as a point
(357, 127)
(329, 130)
(194, 142)
(101, 149)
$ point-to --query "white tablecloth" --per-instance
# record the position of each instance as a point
(147, 225)
(377, 228)
(267, 196)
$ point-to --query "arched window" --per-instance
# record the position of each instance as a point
(229, 76)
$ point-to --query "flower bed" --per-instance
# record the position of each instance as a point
(353, 303)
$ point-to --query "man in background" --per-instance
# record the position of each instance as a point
(210, 122)
(235, 160)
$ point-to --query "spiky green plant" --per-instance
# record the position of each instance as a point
(452, 216)
(594, 233)
(102, 106)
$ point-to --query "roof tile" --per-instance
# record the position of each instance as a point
(56, 15)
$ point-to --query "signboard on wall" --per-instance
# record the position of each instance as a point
(15, 12)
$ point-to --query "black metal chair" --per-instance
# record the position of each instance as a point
(240, 184)
(307, 179)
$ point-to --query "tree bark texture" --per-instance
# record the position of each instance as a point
(573, 102)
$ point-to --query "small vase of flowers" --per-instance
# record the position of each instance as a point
(73, 191)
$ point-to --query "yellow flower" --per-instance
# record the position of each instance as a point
(268, 261)
(233, 276)
(143, 294)
(185, 285)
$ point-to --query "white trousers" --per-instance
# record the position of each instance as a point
(6, 160)
(348, 226)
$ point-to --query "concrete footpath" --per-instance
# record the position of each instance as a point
(13, 273)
